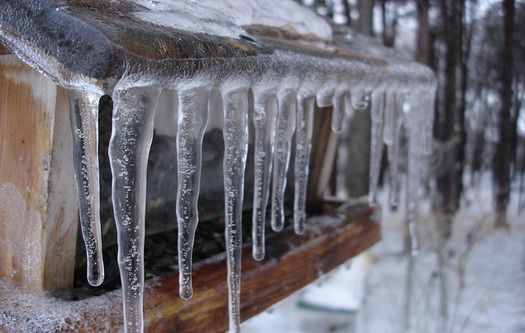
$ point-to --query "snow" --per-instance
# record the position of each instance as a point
(374, 296)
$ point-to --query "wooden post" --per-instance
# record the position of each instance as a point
(38, 215)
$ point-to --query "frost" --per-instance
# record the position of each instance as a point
(228, 16)
(235, 153)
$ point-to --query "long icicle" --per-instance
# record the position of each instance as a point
(392, 139)
(235, 134)
(376, 144)
(283, 143)
(303, 140)
(416, 138)
(192, 121)
(265, 112)
(84, 126)
(128, 151)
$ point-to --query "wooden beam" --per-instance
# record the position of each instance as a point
(292, 262)
(37, 208)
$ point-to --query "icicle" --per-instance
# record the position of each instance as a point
(376, 145)
(338, 112)
(128, 151)
(303, 141)
(235, 152)
(360, 101)
(283, 141)
(265, 112)
(392, 137)
(416, 138)
(84, 125)
(348, 107)
(192, 120)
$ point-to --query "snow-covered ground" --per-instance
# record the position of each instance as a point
(475, 282)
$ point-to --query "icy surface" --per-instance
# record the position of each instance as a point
(84, 124)
(227, 17)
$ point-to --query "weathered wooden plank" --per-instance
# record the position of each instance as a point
(61, 223)
(34, 216)
(292, 262)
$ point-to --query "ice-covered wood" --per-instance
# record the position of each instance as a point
(37, 207)
(97, 41)
(330, 240)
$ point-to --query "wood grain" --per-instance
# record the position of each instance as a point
(29, 227)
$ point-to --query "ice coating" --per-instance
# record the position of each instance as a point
(133, 115)
(235, 106)
(283, 144)
(419, 145)
(264, 120)
(377, 113)
(227, 17)
(84, 125)
(303, 141)
(191, 123)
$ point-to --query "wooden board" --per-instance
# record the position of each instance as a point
(292, 262)
(34, 175)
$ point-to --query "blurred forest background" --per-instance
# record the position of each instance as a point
(477, 50)
(469, 275)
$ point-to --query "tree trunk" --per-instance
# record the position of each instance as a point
(389, 24)
(507, 125)
(423, 42)
(366, 17)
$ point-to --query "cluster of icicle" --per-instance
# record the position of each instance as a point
(278, 113)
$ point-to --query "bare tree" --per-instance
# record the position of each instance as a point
(507, 119)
